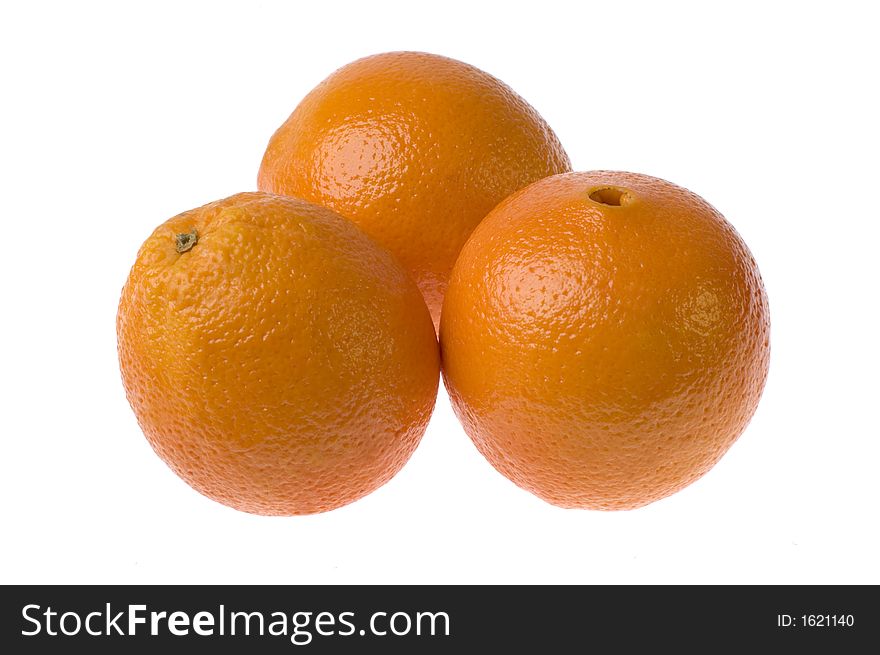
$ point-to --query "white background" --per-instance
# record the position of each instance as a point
(116, 117)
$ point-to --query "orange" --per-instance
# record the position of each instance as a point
(605, 338)
(415, 149)
(277, 359)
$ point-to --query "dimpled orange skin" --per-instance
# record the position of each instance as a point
(604, 356)
(284, 364)
(416, 149)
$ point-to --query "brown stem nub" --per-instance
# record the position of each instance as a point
(184, 242)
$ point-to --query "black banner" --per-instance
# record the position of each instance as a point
(418, 619)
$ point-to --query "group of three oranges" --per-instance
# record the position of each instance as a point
(604, 336)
